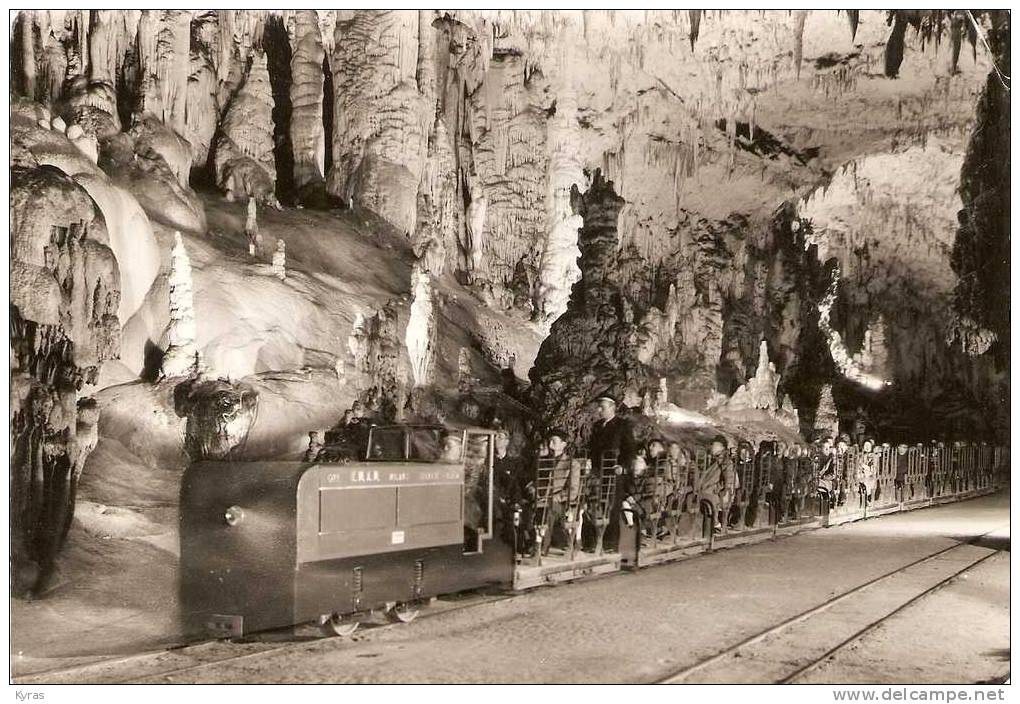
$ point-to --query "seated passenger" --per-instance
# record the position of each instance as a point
(314, 447)
(748, 491)
(511, 490)
(867, 471)
(560, 490)
(631, 487)
(712, 485)
(476, 485)
(346, 441)
(452, 448)
(902, 465)
(650, 497)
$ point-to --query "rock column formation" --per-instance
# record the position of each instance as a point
(558, 269)
(244, 160)
(306, 94)
(65, 289)
(590, 348)
(382, 115)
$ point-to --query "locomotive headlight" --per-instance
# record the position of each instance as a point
(233, 515)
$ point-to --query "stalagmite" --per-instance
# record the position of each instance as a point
(760, 392)
(420, 336)
(251, 229)
(280, 260)
(182, 356)
(559, 270)
(474, 226)
(826, 417)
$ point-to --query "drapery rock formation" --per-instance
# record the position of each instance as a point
(65, 289)
(128, 228)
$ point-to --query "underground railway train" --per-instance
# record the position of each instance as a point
(274, 544)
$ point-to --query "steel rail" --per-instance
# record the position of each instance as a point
(685, 672)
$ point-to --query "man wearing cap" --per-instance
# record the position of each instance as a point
(510, 481)
(610, 434)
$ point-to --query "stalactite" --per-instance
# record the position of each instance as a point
(164, 56)
(798, 39)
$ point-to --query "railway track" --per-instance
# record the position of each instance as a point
(783, 653)
(164, 664)
(770, 649)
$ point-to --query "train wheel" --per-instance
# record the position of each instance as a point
(337, 625)
(405, 612)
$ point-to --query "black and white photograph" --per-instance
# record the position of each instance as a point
(509, 347)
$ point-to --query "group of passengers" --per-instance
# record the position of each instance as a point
(580, 495)
(548, 504)
(562, 499)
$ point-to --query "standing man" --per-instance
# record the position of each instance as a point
(610, 434)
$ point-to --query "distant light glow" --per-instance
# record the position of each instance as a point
(844, 361)
(674, 415)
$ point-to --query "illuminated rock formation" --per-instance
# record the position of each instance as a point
(181, 357)
(280, 260)
(420, 336)
(127, 226)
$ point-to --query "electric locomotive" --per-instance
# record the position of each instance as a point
(268, 545)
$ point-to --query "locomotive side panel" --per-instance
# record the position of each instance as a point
(369, 508)
(238, 569)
